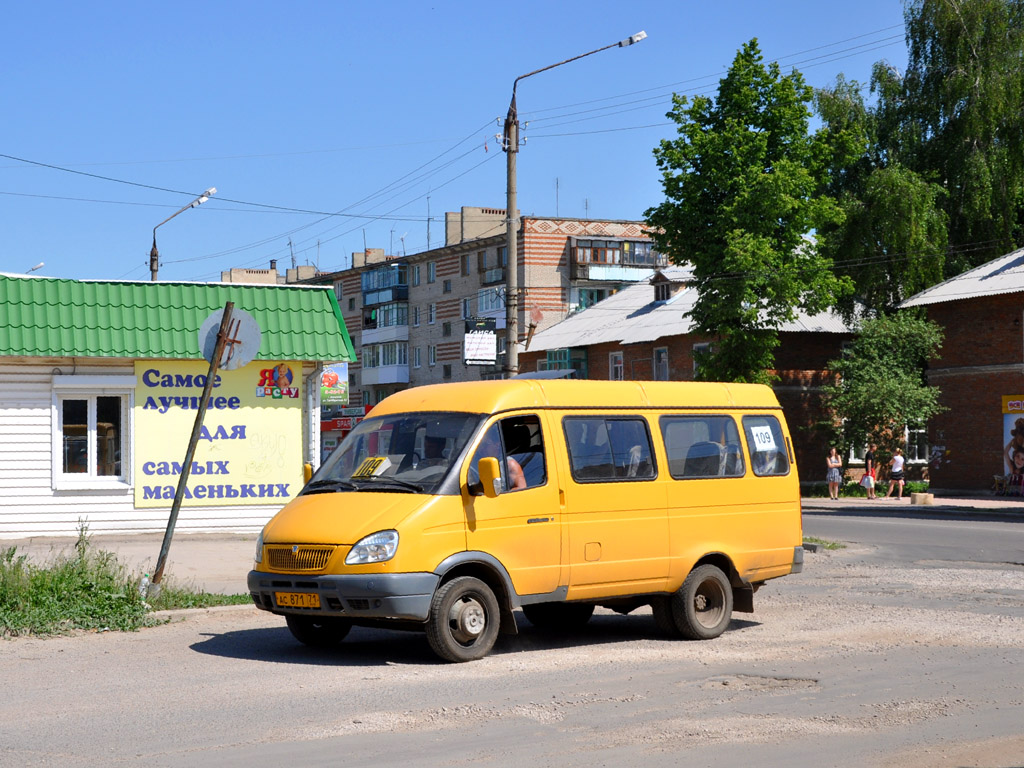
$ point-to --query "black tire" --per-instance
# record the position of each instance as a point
(702, 607)
(318, 631)
(664, 617)
(559, 616)
(464, 620)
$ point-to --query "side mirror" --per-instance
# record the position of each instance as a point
(490, 477)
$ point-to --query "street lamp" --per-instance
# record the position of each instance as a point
(154, 255)
(511, 147)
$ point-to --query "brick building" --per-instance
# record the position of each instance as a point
(642, 332)
(980, 371)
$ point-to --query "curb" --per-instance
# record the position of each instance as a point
(184, 614)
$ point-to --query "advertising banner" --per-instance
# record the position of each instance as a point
(250, 447)
(334, 384)
(1013, 434)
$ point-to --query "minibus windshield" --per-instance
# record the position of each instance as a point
(399, 453)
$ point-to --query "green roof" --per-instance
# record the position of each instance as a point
(45, 317)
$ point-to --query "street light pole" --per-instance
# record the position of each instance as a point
(154, 255)
(510, 141)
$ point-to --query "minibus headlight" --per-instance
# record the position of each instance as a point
(259, 548)
(375, 548)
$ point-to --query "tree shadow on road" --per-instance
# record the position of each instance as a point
(370, 647)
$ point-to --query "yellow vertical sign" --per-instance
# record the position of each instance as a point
(250, 447)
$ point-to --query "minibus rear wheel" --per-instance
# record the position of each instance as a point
(702, 607)
(464, 620)
(318, 631)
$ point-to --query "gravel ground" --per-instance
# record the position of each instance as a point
(849, 664)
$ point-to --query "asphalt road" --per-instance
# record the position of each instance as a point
(904, 649)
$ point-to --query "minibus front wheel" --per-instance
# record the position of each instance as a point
(702, 607)
(464, 620)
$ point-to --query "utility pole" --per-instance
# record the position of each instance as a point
(510, 141)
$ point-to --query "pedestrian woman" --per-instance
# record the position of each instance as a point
(833, 476)
(896, 478)
(870, 470)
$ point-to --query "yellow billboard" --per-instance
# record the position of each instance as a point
(250, 447)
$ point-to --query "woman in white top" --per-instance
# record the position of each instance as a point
(896, 478)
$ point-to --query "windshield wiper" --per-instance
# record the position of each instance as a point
(376, 480)
(329, 486)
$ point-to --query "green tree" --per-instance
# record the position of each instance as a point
(930, 178)
(891, 240)
(880, 387)
(740, 184)
(962, 93)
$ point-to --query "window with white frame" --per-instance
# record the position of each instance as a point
(432, 314)
(392, 353)
(432, 355)
(490, 300)
(416, 361)
(661, 364)
(416, 316)
(416, 274)
(431, 271)
(91, 437)
(615, 369)
(467, 308)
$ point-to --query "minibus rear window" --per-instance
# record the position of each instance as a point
(767, 446)
(609, 449)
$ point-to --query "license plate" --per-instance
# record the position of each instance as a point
(297, 599)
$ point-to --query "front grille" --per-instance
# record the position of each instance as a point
(292, 559)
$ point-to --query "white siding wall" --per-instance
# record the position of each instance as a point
(29, 506)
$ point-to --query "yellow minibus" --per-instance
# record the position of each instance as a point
(451, 506)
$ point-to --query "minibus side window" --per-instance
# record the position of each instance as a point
(603, 449)
(767, 445)
(702, 446)
(518, 445)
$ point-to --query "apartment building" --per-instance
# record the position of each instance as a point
(407, 315)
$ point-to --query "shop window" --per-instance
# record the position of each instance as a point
(92, 428)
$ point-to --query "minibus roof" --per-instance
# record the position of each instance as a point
(510, 394)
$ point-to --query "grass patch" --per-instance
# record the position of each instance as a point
(824, 543)
(84, 590)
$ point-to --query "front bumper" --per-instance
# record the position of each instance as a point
(355, 596)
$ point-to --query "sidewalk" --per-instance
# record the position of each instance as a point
(941, 503)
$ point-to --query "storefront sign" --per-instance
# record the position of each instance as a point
(250, 446)
(1013, 434)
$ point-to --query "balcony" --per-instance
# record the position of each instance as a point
(385, 374)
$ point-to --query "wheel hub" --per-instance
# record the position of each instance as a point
(467, 620)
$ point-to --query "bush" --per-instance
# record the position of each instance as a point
(87, 590)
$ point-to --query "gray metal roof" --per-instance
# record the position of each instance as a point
(632, 316)
(1002, 275)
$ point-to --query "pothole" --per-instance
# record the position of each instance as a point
(759, 683)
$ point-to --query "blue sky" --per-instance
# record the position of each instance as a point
(361, 110)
